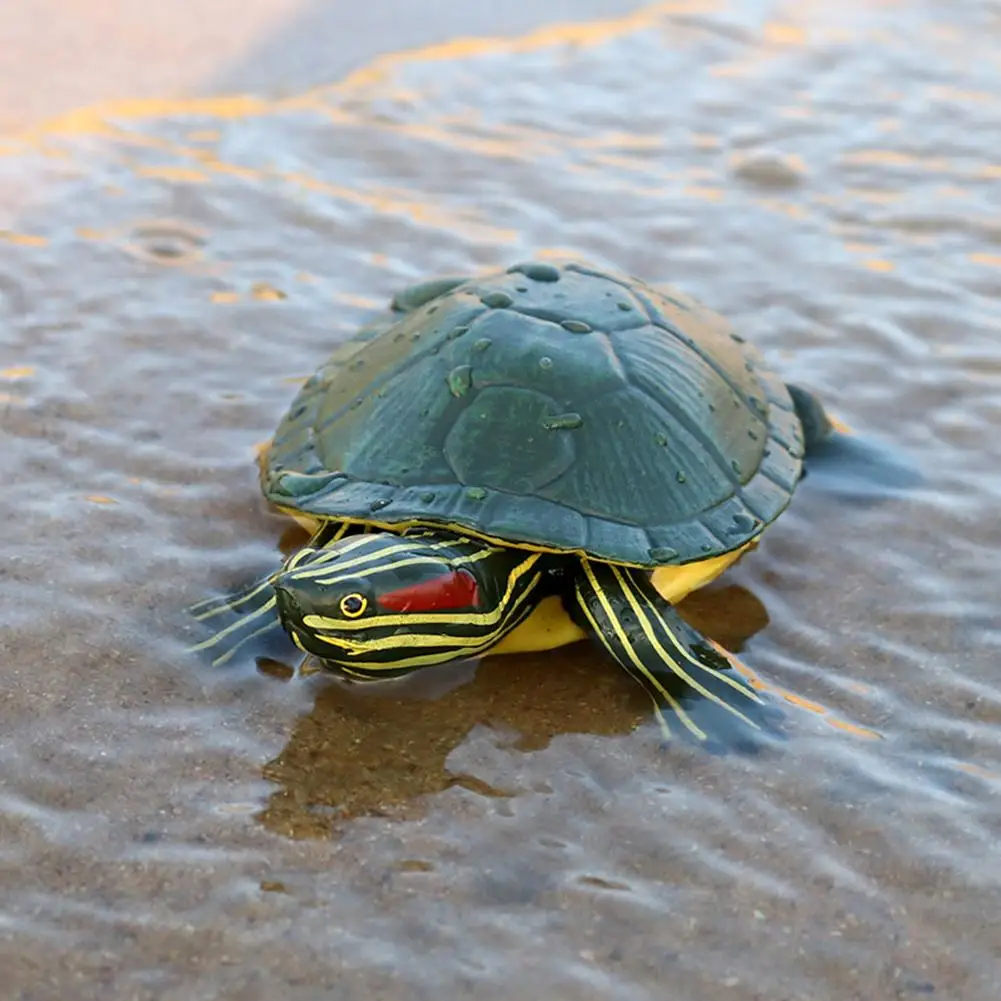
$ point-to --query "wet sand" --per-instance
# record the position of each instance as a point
(171, 270)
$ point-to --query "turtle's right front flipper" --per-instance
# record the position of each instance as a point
(252, 613)
(236, 620)
(681, 671)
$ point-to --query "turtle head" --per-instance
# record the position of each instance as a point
(381, 605)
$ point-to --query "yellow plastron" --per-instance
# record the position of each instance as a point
(549, 625)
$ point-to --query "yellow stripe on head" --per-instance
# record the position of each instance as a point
(421, 599)
(416, 639)
(432, 618)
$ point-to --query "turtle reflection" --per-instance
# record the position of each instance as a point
(378, 749)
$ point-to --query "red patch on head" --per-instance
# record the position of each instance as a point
(452, 590)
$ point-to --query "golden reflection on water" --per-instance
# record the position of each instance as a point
(345, 103)
(633, 157)
(23, 239)
(97, 120)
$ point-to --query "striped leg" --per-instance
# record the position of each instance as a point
(254, 606)
(683, 674)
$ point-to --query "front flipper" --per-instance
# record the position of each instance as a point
(679, 669)
(251, 614)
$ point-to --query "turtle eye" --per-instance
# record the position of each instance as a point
(353, 605)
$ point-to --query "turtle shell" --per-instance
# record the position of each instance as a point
(555, 405)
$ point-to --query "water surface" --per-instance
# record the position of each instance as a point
(825, 175)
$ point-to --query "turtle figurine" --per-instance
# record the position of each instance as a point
(517, 460)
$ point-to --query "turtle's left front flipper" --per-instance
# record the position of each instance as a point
(682, 672)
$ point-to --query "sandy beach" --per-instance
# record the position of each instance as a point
(251, 183)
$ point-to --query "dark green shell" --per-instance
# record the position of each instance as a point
(552, 404)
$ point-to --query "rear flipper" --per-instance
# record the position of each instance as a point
(817, 426)
(688, 680)
(845, 464)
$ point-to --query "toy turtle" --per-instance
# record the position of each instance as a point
(517, 460)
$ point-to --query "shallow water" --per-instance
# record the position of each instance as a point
(827, 176)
